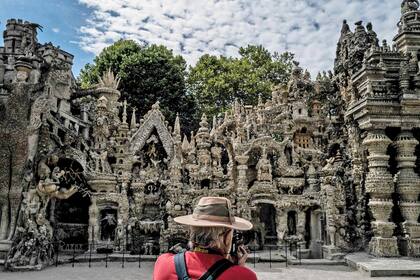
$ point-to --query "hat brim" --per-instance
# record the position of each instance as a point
(239, 224)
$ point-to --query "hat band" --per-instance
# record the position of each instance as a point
(212, 218)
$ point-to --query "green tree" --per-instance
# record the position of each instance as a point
(216, 82)
(110, 58)
(148, 74)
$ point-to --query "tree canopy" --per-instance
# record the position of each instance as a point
(148, 74)
(216, 81)
(153, 73)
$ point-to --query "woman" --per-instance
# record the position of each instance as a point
(211, 234)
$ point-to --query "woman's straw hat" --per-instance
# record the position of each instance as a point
(214, 212)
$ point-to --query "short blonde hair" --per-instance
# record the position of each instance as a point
(207, 237)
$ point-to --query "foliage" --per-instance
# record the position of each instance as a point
(110, 58)
(148, 74)
(153, 73)
(216, 82)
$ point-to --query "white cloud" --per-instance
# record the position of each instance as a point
(308, 28)
(55, 30)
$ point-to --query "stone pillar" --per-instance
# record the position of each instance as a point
(281, 224)
(380, 186)
(316, 236)
(85, 117)
(300, 225)
(2, 70)
(242, 169)
(408, 186)
(242, 188)
(15, 201)
(4, 222)
(94, 222)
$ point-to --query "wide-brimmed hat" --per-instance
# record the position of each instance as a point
(214, 212)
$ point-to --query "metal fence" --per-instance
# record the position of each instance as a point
(88, 253)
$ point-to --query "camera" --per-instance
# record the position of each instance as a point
(237, 241)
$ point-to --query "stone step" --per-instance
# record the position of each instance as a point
(316, 262)
(380, 267)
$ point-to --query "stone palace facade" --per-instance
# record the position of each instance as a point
(331, 163)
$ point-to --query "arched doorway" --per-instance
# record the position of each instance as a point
(70, 217)
(265, 227)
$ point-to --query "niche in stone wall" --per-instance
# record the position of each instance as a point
(291, 223)
(108, 221)
(225, 160)
(288, 153)
(153, 154)
(205, 184)
(267, 217)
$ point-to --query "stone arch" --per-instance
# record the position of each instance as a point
(154, 120)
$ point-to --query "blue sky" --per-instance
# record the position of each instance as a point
(61, 20)
(309, 28)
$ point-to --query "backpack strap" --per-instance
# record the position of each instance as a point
(181, 267)
(216, 269)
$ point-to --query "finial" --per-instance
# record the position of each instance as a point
(156, 106)
(133, 119)
(260, 102)
(177, 126)
(345, 28)
(192, 142)
(204, 122)
(109, 80)
(124, 119)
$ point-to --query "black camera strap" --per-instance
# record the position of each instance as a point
(211, 274)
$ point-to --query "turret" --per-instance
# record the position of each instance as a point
(20, 37)
(408, 38)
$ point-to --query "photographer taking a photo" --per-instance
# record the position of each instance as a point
(212, 227)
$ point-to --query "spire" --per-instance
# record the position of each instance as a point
(360, 29)
(192, 142)
(177, 127)
(237, 107)
(133, 119)
(185, 144)
(204, 125)
(213, 127)
(345, 28)
(260, 102)
(124, 115)
(226, 118)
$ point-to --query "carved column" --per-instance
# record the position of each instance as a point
(242, 169)
(380, 186)
(408, 186)
(94, 223)
(4, 219)
(242, 188)
(281, 225)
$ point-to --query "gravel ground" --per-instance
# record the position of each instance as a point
(131, 271)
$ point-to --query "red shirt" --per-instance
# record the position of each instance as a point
(197, 264)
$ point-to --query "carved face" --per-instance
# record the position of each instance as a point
(21, 76)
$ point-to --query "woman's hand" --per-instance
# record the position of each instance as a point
(242, 255)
